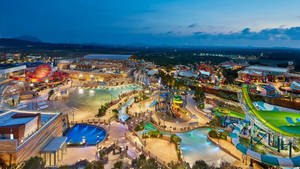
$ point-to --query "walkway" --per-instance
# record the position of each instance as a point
(162, 149)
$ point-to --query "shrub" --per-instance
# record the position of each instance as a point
(139, 127)
(102, 110)
(213, 134)
(155, 133)
(175, 138)
(118, 165)
(34, 162)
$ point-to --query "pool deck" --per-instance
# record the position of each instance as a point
(141, 106)
(229, 148)
(162, 149)
(75, 154)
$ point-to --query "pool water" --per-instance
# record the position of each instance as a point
(92, 134)
(269, 107)
(122, 112)
(94, 97)
(195, 146)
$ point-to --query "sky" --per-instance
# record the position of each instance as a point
(259, 23)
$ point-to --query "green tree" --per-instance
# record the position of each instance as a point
(95, 165)
(199, 96)
(175, 138)
(179, 166)
(201, 165)
(34, 162)
(230, 75)
(142, 163)
(102, 110)
(216, 122)
(118, 165)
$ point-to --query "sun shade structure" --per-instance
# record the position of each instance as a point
(53, 152)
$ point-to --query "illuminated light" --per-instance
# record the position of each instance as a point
(91, 92)
(47, 81)
(80, 75)
(216, 149)
(80, 91)
(31, 84)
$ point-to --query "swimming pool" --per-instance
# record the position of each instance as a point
(195, 146)
(92, 134)
(94, 97)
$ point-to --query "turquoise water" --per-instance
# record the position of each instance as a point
(269, 107)
(195, 146)
(97, 96)
(122, 112)
(92, 134)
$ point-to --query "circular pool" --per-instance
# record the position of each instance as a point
(92, 134)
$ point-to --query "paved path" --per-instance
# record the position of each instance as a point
(76, 154)
(162, 149)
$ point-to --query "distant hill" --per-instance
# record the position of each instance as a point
(58, 49)
(28, 38)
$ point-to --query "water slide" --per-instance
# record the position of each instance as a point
(181, 112)
(153, 103)
(280, 122)
(226, 112)
(267, 159)
(285, 123)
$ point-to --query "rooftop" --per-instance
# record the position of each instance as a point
(269, 69)
(8, 68)
(107, 57)
(55, 144)
(11, 118)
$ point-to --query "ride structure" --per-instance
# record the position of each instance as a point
(43, 73)
(177, 108)
(274, 129)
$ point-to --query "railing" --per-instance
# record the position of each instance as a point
(253, 118)
(94, 121)
(149, 154)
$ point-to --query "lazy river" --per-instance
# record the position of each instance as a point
(195, 146)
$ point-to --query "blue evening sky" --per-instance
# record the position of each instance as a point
(155, 22)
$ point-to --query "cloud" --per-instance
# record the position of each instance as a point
(192, 26)
(169, 33)
(292, 33)
(197, 33)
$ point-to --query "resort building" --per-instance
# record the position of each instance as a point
(109, 68)
(263, 74)
(26, 134)
(106, 57)
(7, 70)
